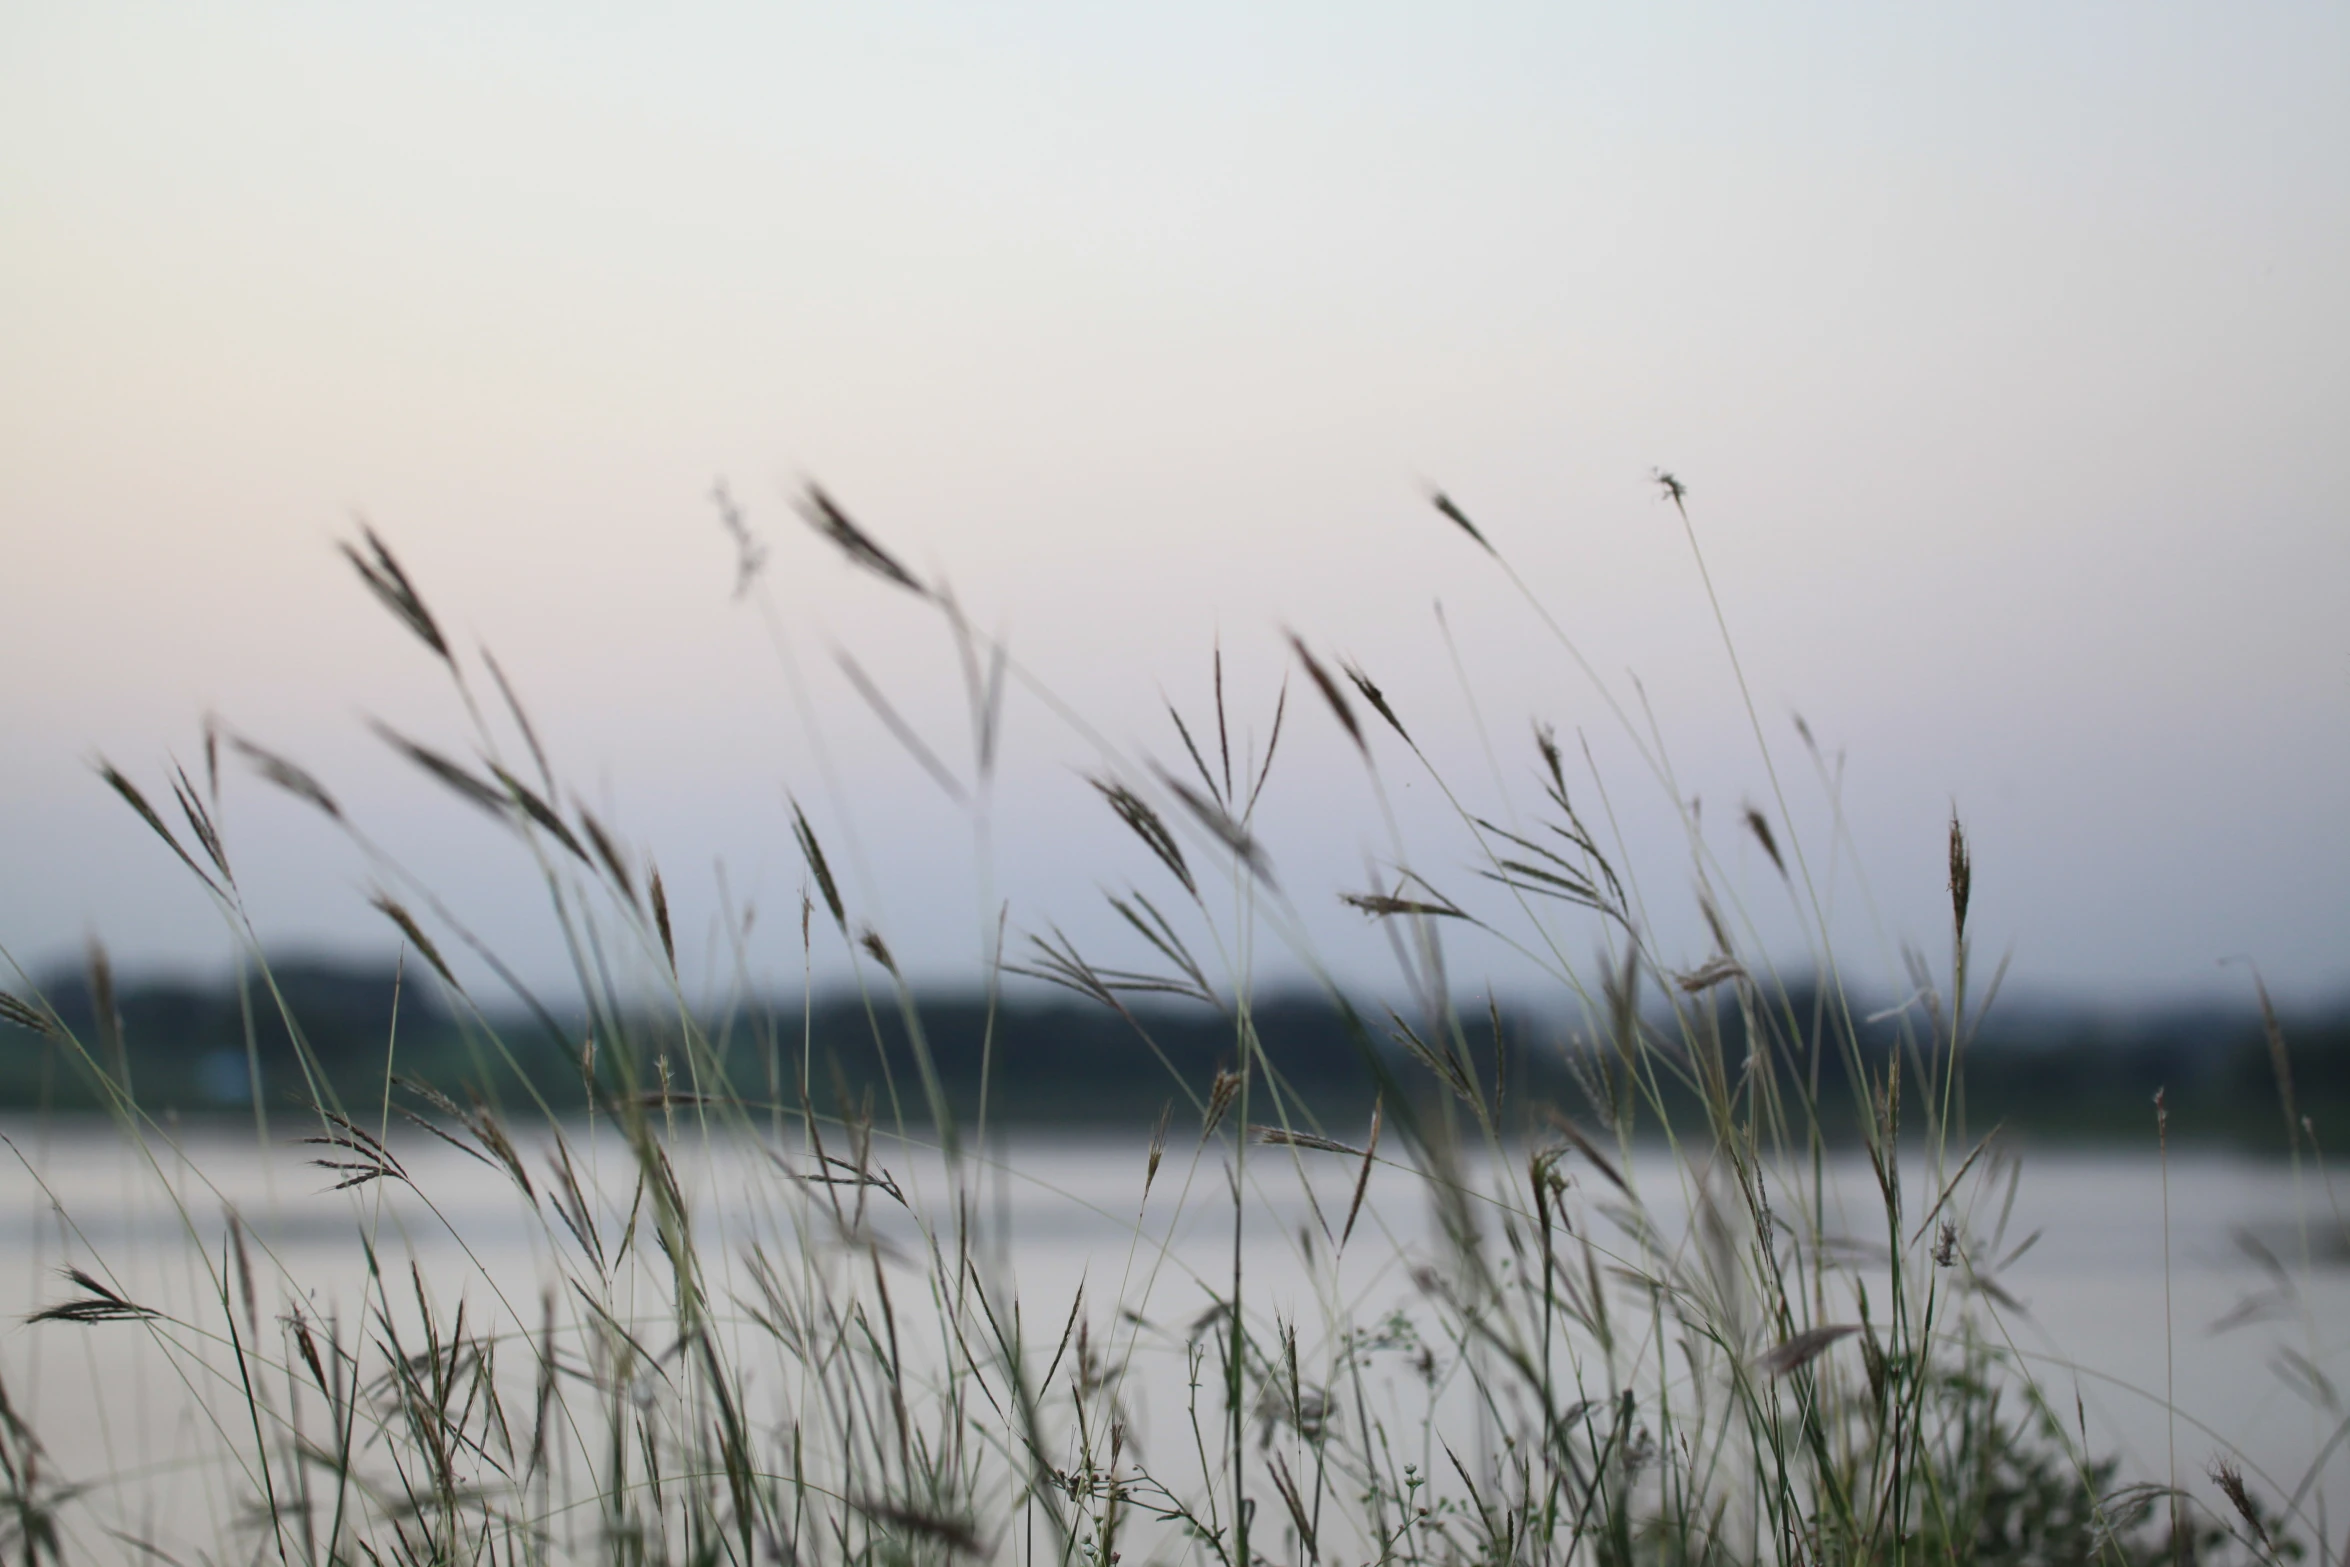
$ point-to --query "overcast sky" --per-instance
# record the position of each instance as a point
(2004, 351)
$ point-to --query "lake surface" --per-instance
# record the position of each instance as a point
(2245, 1290)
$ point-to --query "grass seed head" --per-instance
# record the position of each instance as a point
(137, 801)
(661, 921)
(813, 852)
(391, 908)
(1225, 1089)
(384, 578)
(609, 852)
(466, 785)
(826, 517)
(294, 780)
(97, 1303)
(1376, 697)
(1330, 693)
(1286, 1137)
(25, 1015)
(2230, 1481)
(1760, 825)
(1158, 1151)
(1459, 519)
(1146, 824)
(1962, 875)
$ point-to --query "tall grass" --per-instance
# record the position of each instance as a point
(1737, 1300)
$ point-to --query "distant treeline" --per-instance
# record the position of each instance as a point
(189, 1048)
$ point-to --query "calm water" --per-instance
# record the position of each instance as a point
(113, 1407)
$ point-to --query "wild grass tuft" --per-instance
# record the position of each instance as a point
(1718, 1280)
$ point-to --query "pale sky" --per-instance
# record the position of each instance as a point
(2005, 351)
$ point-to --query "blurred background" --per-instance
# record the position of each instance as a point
(2004, 352)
